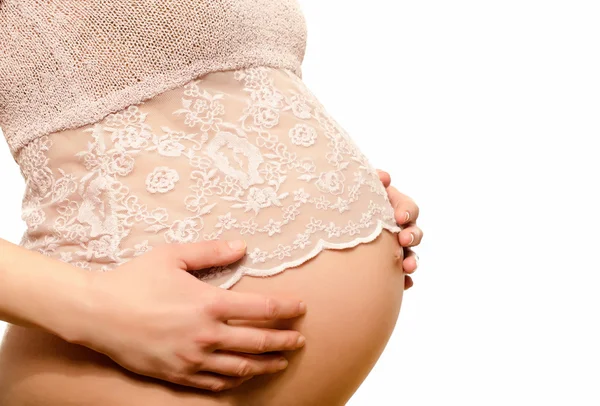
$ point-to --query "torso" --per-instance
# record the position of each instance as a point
(232, 152)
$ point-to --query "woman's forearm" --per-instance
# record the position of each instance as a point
(38, 291)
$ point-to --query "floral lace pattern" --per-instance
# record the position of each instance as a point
(247, 154)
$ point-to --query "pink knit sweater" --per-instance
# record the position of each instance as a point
(67, 63)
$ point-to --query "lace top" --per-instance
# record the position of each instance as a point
(248, 154)
(67, 63)
(144, 122)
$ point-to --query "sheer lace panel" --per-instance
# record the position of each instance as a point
(246, 154)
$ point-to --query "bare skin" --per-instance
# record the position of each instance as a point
(353, 298)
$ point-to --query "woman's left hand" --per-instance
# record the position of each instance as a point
(406, 212)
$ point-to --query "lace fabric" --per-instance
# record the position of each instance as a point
(245, 154)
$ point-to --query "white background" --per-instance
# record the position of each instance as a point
(487, 113)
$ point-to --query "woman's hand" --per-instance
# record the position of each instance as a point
(406, 212)
(155, 320)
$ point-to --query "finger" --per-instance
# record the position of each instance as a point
(408, 282)
(254, 340)
(211, 382)
(384, 177)
(405, 209)
(410, 236)
(244, 366)
(209, 253)
(410, 262)
(250, 306)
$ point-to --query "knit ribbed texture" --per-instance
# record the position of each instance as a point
(68, 63)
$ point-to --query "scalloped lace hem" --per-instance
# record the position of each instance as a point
(319, 247)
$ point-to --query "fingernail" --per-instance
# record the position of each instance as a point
(406, 217)
(237, 245)
(301, 341)
(283, 363)
(412, 239)
(302, 307)
(417, 260)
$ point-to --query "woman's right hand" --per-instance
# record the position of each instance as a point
(155, 320)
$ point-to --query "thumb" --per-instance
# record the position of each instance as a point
(207, 254)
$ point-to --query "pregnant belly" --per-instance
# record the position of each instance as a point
(245, 154)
